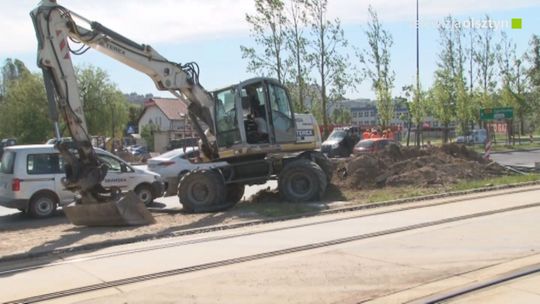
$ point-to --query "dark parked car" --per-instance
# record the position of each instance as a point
(341, 142)
(372, 145)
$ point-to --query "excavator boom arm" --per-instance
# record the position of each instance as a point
(55, 26)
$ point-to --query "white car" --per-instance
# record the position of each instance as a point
(174, 164)
(31, 179)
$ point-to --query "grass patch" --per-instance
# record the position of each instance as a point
(391, 193)
(269, 205)
(496, 181)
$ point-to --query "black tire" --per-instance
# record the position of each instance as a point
(180, 175)
(202, 191)
(235, 192)
(42, 205)
(302, 180)
(116, 193)
(144, 192)
(325, 165)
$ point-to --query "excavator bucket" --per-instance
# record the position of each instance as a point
(128, 211)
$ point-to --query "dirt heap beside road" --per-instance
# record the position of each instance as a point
(403, 166)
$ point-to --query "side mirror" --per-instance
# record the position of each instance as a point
(123, 168)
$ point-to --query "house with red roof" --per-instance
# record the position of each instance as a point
(169, 116)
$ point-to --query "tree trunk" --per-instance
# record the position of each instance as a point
(409, 132)
(445, 133)
(417, 135)
(325, 115)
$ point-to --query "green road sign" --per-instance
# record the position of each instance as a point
(496, 113)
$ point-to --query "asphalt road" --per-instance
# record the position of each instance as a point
(468, 240)
(519, 159)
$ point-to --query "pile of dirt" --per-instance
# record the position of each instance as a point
(397, 166)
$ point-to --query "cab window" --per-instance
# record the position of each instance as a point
(281, 110)
(254, 111)
(226, 121)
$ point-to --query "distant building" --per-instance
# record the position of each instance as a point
(364, 114)
(138, 99)
(169, 115)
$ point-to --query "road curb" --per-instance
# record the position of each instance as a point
(111, 243)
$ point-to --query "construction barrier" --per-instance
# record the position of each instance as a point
(487, 150)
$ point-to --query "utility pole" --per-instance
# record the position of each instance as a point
(417, 71)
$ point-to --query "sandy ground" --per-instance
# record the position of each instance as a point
(55, 233)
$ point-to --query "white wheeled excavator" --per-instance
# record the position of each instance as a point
(248, 131)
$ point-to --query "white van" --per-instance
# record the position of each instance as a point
(31, 179)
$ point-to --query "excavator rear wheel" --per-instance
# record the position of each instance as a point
(203, 191)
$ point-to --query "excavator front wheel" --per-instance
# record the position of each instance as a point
(203, 191)
(302, 180)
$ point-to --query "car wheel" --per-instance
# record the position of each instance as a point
(302, 180)
(144, 192)
(42, 205)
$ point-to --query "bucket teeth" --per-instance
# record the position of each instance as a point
(128, 211)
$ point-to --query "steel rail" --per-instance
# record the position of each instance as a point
(265, 255)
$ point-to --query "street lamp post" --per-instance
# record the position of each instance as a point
(417, 97)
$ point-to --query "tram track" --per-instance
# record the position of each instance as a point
(69, 260)
(265, 255)
(448, 297)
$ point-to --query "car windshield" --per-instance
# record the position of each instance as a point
(365, 144)
(337, 134)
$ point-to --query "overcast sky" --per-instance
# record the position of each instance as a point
(210, 32)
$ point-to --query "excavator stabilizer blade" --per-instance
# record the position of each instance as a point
(128, 211)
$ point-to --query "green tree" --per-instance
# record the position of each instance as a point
(268, 32)
(417, 108)
(134, 113)
(341, 116)
(13, 69)
(24, 109)
(376, 62)
(485, 59)
(449, 84)
(330, 63)
(105, 107)
(147, 133)
(464, 106)
(533, 77)
(297, 43)
(512, 73)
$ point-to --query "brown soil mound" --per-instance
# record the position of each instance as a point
(397, 166)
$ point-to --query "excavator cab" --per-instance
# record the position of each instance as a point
(256, 112)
